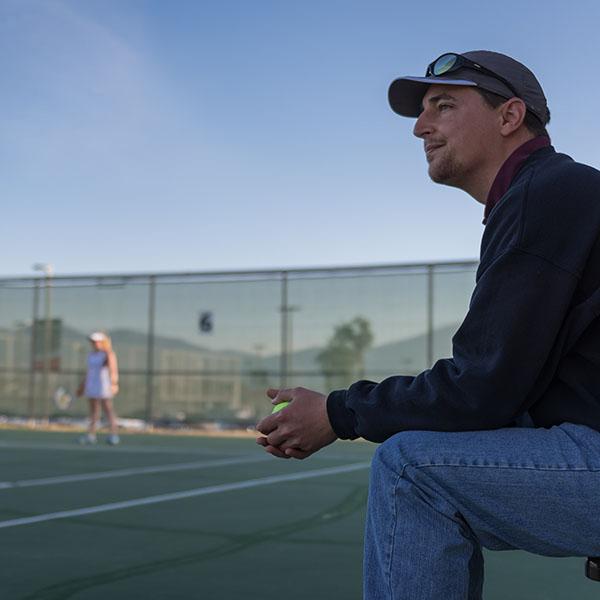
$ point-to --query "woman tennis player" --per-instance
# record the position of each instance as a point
(100, 385)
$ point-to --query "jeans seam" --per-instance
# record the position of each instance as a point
(492, 466)
(393, 533)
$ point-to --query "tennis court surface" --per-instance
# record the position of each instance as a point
(204, 517)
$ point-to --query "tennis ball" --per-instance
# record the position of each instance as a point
(279, 407)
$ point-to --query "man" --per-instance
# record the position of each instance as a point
(497, 446)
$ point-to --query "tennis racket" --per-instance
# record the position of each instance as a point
(62, 398)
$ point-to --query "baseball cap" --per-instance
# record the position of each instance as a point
(97, 336)
(491, 71)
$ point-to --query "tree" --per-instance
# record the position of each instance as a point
(342, 359)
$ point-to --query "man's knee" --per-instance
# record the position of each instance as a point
(399, 451)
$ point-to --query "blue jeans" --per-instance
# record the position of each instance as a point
(436, 498)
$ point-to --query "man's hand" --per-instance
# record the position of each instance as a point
(298, 430)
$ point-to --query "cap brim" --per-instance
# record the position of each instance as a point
(406, 93)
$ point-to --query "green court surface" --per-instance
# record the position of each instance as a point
(198, 517)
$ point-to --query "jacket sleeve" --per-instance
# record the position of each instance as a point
(515, 314)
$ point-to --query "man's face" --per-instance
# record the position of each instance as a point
(459, 131)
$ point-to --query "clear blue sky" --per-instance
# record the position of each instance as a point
(141, 135)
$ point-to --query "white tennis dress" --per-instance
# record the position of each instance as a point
(97, 379)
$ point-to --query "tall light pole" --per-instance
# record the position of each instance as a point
(48, 271)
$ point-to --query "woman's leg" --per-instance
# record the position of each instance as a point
(90, 436)
(109, 411)
(94, 414)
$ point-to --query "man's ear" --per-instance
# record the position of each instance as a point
(512, 113)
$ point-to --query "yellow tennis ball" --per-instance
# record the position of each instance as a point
(279, 407)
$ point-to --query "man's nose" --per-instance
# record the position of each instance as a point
(422, 126)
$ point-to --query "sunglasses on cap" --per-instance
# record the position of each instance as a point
(449, 62)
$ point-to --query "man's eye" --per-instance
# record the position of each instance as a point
(444, 106)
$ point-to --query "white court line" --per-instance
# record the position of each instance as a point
(112, 449)
(199, 464)
(326, 454)
(203, 491)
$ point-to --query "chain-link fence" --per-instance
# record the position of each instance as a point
(205, 346)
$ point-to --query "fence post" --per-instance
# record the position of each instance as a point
(150, 349)
(36, 300)
(430, 316)
(47, 340)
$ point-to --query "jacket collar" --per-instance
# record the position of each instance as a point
(509, 169)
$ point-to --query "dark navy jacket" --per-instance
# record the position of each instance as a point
(530, 342)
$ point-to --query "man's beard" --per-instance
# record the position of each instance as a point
(444, 169)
